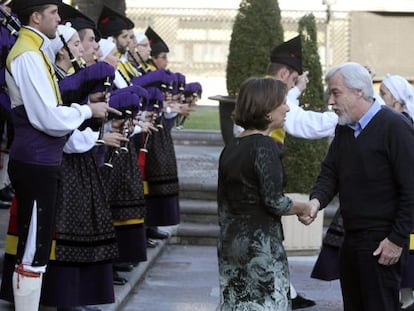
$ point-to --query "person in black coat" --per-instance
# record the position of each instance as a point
(369, 165)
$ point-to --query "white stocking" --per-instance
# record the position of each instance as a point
(26, 292)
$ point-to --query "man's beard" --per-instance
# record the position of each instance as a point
(122, 49)
(344, 119)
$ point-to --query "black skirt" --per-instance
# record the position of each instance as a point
(70, 286)
(123, 183)
(126, 197)
(161, 172)
(161, 165)
(84, 229)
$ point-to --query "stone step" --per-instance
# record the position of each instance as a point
(200, 201)
(197, 170)
(197, 188)
(199, 221)
(196, 234)
(210, 195)
(198, 211)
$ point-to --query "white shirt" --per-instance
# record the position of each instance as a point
(38, 97)
(119, 81)
(306, 123)
(81, 141)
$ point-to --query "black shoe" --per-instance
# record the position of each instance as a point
(119, 280)
(152, 243)
(155, 233)
(5, 205)
(123, 266)
(6, 194)
(135, 263)
(300, 302)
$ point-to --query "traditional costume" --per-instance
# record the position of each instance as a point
(41, 129)
(160, 161)
(123, 179)
(80, 272)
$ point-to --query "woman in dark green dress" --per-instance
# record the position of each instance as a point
(253, 267)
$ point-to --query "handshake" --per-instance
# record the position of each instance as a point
(306, 211)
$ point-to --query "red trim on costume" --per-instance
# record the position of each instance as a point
(142, 158)
(21, 272)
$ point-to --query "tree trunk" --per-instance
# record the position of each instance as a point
(92, 8)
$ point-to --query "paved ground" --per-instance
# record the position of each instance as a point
(185, 278)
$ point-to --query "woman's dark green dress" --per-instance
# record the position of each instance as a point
(253, 267)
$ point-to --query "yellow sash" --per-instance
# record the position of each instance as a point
(127, 70)
(29, 40)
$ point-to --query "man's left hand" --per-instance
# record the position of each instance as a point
(389, 252)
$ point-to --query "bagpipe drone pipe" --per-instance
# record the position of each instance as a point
(130, 101)
(10, 21)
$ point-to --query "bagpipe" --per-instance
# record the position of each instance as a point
(174, 84)
(129, 101)
(192, 92)
(179, 95)
(163, 81)
(107, 86)
(9, 21)
(141, 65)
(155, 107)
(160, 78)
(77, 87)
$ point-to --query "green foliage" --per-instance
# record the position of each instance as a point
(256, 30)
(303, 157)
(203, 118)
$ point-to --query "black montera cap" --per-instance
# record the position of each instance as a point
(111, 23)
(77, 19)
(20, 5)
(157, 44)
(289, 53)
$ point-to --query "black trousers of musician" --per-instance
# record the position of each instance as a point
(367, 285)
(35, 183)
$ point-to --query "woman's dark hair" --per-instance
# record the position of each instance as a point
(258, 97)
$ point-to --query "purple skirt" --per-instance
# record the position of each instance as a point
(70, 286)
(326, 267)
(408, 275)
(132, 243)
(162, 211)
(67, 285)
